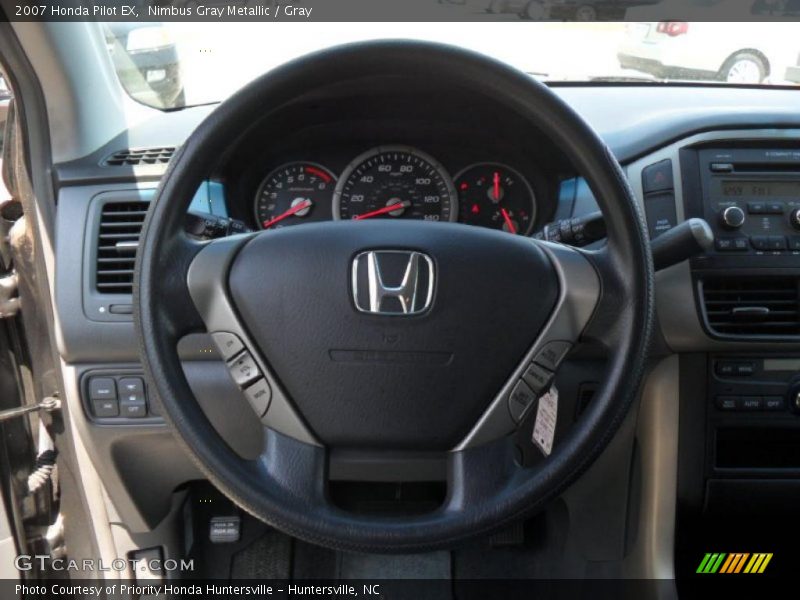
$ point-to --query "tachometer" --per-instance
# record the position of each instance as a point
(394, 182)
(496, 196)
(290, 194)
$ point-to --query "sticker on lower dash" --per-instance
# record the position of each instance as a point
(544, 430)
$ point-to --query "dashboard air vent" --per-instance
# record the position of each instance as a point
(752, 306)
(117, 241)
(140, 156)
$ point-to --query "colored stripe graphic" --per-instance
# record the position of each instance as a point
(703, 563)
(735, 562)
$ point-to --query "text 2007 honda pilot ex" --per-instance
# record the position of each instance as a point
(401, 310)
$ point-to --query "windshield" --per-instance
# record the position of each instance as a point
(170, 65)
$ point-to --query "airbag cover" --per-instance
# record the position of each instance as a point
(405, 382)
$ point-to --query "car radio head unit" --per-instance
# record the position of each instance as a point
(751, 199)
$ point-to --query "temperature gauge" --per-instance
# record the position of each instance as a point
(496, 196)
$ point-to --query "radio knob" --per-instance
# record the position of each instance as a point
(733, 217)
(794, 218)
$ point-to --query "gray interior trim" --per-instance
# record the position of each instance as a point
(652, 555)
(675, 306)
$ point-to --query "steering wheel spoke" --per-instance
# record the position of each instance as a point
(578, 298)
(208, 287)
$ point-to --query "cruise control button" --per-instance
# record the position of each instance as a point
(538, 378)
(243, 369)
(102, 388)
(259, 394)
(229, 345)
(132, 410)
(520, 399)
(550, 356)
(105, 408)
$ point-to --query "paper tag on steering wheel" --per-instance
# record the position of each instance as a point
(544, 429)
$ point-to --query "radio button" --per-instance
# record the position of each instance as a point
(756, 208)
(732, 244)
(733, 217)
(776, 242)
(760, 242)
(775, 208)
(794, 218)
(794, 242)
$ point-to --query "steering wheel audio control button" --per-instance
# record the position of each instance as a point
(538, 378)
(551, 355)
(260, 395)
(243, 369)
(229, 345)
(519, 400)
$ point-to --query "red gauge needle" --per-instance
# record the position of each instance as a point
(509, 222)
(496, 182)
(384, 210)
(295, 209)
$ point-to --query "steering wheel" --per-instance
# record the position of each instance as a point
(403, 336)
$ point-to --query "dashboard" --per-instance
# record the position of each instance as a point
(437, 161)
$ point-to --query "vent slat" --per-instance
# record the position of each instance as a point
(132, 157)
(726, 301)
(119, 222)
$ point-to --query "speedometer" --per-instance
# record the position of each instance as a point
(395, 182)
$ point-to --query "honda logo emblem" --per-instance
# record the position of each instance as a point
(392, 282)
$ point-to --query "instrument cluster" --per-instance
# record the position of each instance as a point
(397, 182)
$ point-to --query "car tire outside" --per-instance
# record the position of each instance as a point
(744, 68)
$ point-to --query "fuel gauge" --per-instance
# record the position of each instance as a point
(496, 196)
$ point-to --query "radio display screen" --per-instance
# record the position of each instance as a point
(760, 189)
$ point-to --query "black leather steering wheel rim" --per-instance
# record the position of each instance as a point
(498, 493)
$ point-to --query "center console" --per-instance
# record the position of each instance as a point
(747, 295)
